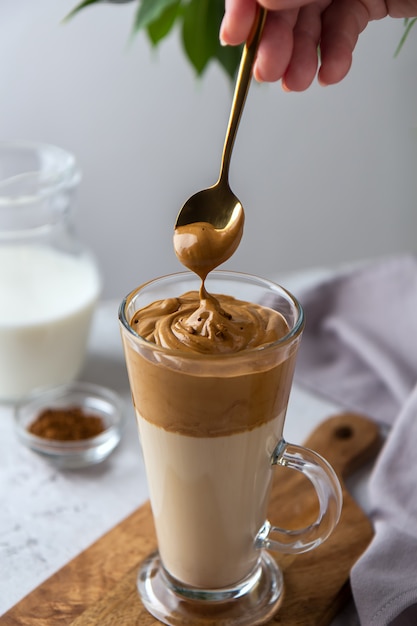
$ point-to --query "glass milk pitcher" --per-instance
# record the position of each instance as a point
(49, 283)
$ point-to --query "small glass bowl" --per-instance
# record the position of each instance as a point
(94, 400)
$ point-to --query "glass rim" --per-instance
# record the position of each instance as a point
(283, 341)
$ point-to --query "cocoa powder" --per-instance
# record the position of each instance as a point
(66, 424)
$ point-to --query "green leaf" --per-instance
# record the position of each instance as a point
(200, 32)
(408, 23)
(149, 11)
(200, 20)
(200, 37)
(229, 58)
(78, 8)
(159, 28)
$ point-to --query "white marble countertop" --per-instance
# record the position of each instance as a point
(48, 516)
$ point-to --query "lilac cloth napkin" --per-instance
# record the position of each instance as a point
(359, 349)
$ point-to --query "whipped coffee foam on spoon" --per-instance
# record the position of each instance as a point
(201, 247)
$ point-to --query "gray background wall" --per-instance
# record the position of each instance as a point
(326, 176)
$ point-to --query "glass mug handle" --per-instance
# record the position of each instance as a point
(330, 499)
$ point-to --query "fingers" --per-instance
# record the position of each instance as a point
(276, 46)
(240, 14)
(237, 21)
(302, 66)
(288, 46)
(342, 22)
(402, 8)
(294, 30)
(288, 49)
(283, 5)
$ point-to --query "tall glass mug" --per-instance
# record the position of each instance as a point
(211, 429)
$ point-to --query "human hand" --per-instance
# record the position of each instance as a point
(294, 30)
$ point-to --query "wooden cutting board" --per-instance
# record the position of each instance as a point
(98, 587)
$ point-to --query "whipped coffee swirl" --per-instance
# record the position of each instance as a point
(201, 322)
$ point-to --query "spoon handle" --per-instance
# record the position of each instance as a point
(241, 88)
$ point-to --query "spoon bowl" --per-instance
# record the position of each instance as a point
(215, 205)
(218, 205)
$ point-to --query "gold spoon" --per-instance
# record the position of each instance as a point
(218, 205)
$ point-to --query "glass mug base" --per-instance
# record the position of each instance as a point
(254, 601)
